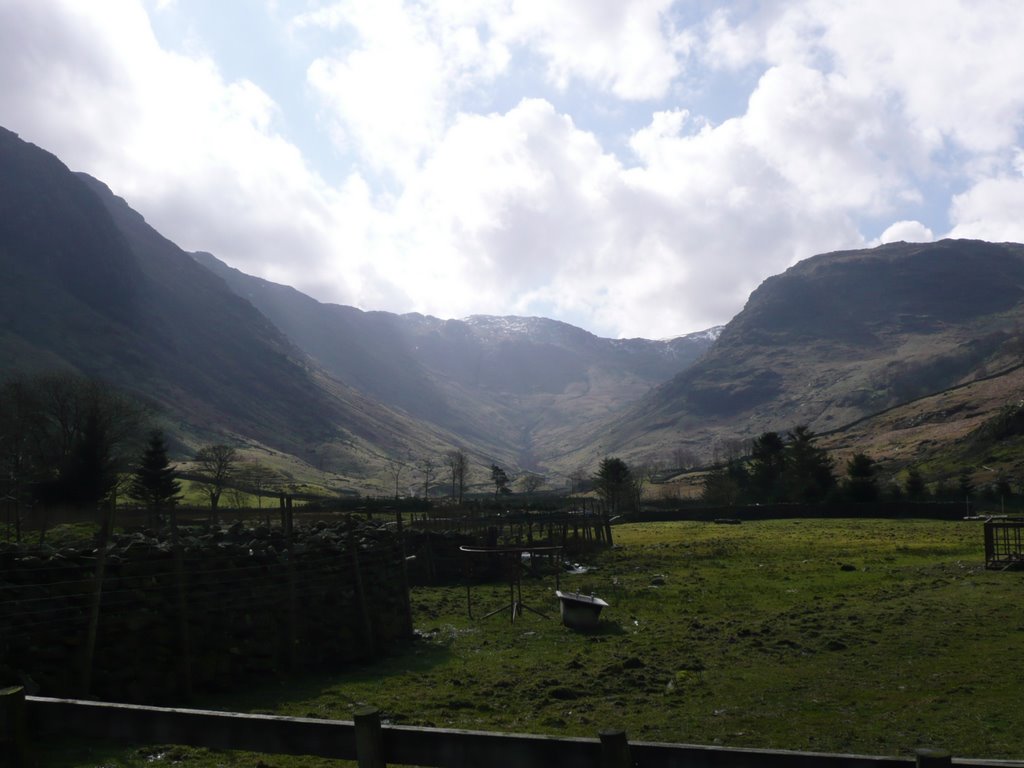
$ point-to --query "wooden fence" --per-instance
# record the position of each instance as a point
(581, 527)
(364, 739)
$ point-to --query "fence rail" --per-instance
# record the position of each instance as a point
(374, 745)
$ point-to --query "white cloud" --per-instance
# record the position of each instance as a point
(905, 231)
(530, 211)
(859, 112)
(629, 49)
(389, 94)
(393, 91)
(952, 72)
(830, 141)
(990, 210)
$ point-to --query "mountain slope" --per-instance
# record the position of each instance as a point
(520, 388)
(941, 434)
(840, 336)
(91, 287)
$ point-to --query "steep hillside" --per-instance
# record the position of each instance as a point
(89, 286)
(519, 387)
(838, 337)
(976, 427)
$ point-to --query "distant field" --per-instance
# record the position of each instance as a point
(859, 636)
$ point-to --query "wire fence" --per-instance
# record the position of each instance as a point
(144, 618)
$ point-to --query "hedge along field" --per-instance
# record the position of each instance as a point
(862, 636)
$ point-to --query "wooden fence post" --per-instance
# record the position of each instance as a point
(369, 741)
(13, 734)
(363, 608)
(185, 647)
(614, 750)
(291, 655)
(933, 758)
(94, 604)
(406, 604)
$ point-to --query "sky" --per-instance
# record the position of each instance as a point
(633, 167)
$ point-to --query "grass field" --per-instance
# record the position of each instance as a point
(860, 636)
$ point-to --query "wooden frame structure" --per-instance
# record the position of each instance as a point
(511, 558)
(1004, 544)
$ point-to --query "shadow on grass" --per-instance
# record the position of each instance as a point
(603, 629)
(288, 693)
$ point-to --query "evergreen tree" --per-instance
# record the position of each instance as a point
(767, 467)
(914, 485)
(809, 475)
(154, 482)
(614, 483)
(862, 478)
(89, 471)
(964, 484)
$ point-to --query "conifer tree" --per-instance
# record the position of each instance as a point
(808, 477)
(915, 487)
(768, 468)
(614, 484)
(862, 478)
(154, 482)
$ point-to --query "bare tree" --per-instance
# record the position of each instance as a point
(683, 458)
(215, 465)
(643, 475)
(531, 481)
(577, 479)
(396, 468)
(260, 479)
(654, 469)
(735, 448)
(428, 470)
(457, 467)
(239, 497)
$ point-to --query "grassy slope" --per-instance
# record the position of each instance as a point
(756, 638)
(932, 433)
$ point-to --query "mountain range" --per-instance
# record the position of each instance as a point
(90, 287)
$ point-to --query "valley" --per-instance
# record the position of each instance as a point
(834, 343)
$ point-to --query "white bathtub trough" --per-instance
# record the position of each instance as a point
(580, 611)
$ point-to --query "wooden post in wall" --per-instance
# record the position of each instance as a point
(94, 606)
(13, 732)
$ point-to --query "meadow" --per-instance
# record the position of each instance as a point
(863, 636)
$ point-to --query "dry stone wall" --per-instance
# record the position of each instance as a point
(228, 608)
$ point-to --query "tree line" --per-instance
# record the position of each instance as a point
(72, 441)
(790, 468)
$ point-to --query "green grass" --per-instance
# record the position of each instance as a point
(751, 635)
